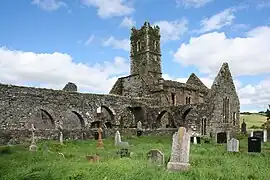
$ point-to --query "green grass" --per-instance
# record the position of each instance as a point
(208, 161)
(253, 119)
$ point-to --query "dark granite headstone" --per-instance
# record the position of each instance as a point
(221, 137)
(139, 133)
(258, 134)
(254, 144)
(124, 153)
(198, 140)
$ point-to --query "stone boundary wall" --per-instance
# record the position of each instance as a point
(17, 136)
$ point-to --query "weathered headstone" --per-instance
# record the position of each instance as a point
(117, 138)
(124, 153)
(233, 145)
(264, 135)
(100, 144)
(258, 134)
(33, 146)
(139, 128)
(156, 156)
(254, 144)
(61, 138)
(118, 142)
(179, 160)
(221, 137)
(244, 127)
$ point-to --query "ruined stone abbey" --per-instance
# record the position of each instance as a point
(161, 105)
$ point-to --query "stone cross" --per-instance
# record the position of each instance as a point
(33, 146)
(100, 144)
(265, 135)
(180, 151)
(233, 145)
(139, 125)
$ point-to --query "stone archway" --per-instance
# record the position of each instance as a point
(73, 120)
(106, 116)
(139, 115)
(42, 119)
(164, 120)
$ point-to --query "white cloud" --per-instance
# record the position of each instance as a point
(89, 40)
(56, 69)
(248, 55)
(192, 3)
(127, 22)
(172, 30)
(110, 8)
(218, 21)
(257, 95)
(49, 5)
(117, 44)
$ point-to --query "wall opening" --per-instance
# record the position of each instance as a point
(82, 123)
(173, 98)
(164, 120)
(203, 126)
(138, 113)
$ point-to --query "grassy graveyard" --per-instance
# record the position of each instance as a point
(208, 161)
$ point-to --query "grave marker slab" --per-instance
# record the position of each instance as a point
(156, 156)
(233, 145)
(179, 160)
(254, 144)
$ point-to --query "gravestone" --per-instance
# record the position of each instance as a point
(198, 140)
(100, 144)
(124, 153)
(258, 134)
(156, 156)
(221, 137)
(264, 135)
(61, 138)
(33, 146)
(251, 134)
(179, 160)
(118, 142)
(139, 128)
(254, 144)
(244, 127)
(233, 145)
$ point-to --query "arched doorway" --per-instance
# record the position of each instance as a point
(43, 120)
(164, 120)
(73, 120)
(138, 115)
(106, 116)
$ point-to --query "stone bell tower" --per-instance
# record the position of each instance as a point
(145, 52)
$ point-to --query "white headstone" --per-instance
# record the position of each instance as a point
(180, 151)
(117, 138)
(195, 140)
(233, 145)
(251, 134)
(139, 125)
(264, 135)
(61, 138)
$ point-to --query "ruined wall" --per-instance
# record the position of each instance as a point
(47, 108)
(222, 88)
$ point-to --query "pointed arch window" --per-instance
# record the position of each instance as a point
(203, 126)
(226, 109)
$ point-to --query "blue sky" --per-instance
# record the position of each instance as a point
(46, 43)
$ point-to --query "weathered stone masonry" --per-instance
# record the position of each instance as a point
(161, 105)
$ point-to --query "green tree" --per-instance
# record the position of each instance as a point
(268, 112)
